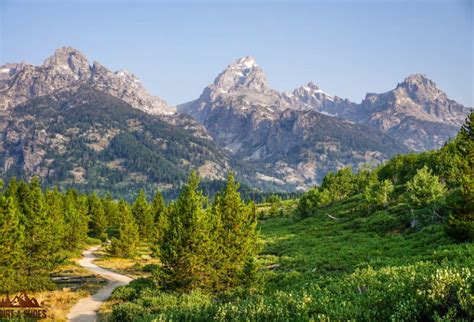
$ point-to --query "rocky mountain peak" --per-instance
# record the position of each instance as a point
(245, 62)
(310, 89)
(312, 86)
(68, 58)
(307, 97)
(420, 89)
(418, 82)
(67, 68)
(417, 78)
(242, 75)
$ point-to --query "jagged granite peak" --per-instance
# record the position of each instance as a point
(67, 68)
(308, 97)
(242, 87)
(243, 74)
(421, 89)
(68, 58)
(419, 97)
(416, 112)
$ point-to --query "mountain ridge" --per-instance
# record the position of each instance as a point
(273, 140)
(416, 91)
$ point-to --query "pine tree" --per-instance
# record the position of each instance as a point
(111, 214)
(377, 194)
(97, 218)
(424, 188)
(186, 249)
(143, 215)
(11, 246)
(75, 219)
(425, 194)
(127, 240)
(460, 224)
(12, 188)
(55, 213)
(160, 215)
(237, 236)
(158, 206)
(41, 253)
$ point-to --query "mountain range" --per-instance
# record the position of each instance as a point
(79, 124)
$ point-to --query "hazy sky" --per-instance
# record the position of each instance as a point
(176, 48)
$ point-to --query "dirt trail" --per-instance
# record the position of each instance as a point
(86, 309)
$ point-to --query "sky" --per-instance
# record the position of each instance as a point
(178, 47)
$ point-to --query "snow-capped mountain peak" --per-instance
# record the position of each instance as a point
(311, 89)
(244, 75)
(245, 62)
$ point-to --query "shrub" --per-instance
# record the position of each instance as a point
(150, 268)
(126, 312)
(425, 194)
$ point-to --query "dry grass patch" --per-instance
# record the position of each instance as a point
(59, 302)
(132, 267)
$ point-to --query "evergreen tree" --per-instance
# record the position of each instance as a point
(127, 240)
(11, 246)
(55, 213)
(40, 246)
(158, 206)
(75, 219)
(111, 215)
(160, 215)
(97, 218)
(425, 194)
(377, 194)
(424, 188)
(143, 216)
(187, 246)
(12, 189)
(339, 185)
(460, 223)
(236, 234)
(307, 203)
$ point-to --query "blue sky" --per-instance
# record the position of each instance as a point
(176, 48)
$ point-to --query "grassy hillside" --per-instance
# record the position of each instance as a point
(394, 243)
(337, 264)
(337, 241)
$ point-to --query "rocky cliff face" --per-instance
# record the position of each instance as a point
(66, 68)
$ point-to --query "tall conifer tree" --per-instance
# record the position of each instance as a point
(11, 246)
(127, 240)
(97, 218)
(143, 216)
(187, 244)
(236, 233)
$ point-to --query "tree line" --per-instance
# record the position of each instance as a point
(200, 244)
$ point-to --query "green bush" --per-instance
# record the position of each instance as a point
(383, 222)
(149, 268)
(128, 312)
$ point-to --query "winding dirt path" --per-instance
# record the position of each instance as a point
(86, 309)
